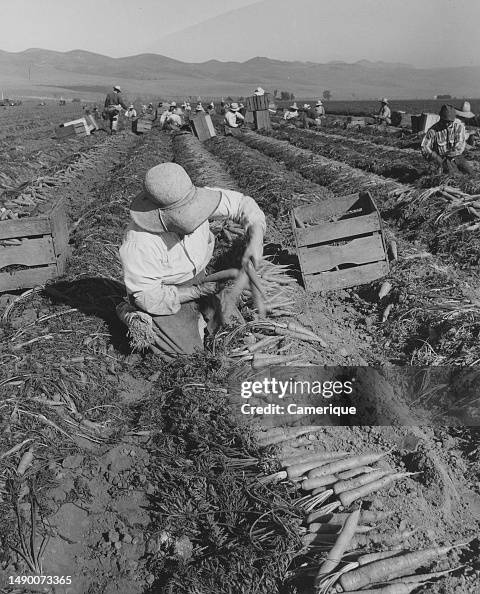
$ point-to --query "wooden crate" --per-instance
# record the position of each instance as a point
(341, 243)
(141, 125)
(424, 122)
(202, 126)
(249, 117)
(257, 102)
(63, 131)
(401, 119)
(262, 120)
(80, 126)
(43, 249)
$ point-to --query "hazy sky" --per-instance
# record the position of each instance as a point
(420, 32)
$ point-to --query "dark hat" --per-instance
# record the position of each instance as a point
(448, 113)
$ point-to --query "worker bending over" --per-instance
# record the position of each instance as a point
(113, 104)
(233, 119)
(291, 113)
(445, 142)
(384, 115)
(168, 245)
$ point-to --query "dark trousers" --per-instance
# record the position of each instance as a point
(456, 164)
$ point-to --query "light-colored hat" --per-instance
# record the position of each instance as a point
(383, 100)
(170, 202)
(259, 91)
(294, 106)
(117, 88)
(234, 106)
(173, 104)
(318, 103)
(466, 111)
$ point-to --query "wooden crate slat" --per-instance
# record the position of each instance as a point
(357, 251)
(257, 102)
(59, 230)
(32, 252)
(339, 206)
(343, 279)
(203, 126)
(11, 229)
(64, 131)
(21, 279)
(338, 230)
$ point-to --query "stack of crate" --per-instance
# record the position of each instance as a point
(258, 105)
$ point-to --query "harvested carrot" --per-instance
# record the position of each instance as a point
(359, 481)
(384, 289)
(387, 569)
(391, 589)
(348, 497)
(387, 312)
(423, 577)
(335, 528)
(313, 538)
(348, 474)
(299, 336)
(227, 235)
(314, 456)
(371, 557)
(25, 461)
(366, 517)
(335, 555)
(286, 434)
(317, 465)
(267, 341)
(393, 249)
(346, 464)
(322, 481)
(263, 360)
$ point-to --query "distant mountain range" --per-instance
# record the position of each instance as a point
(39, 72)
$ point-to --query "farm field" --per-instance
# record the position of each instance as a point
(135, 476)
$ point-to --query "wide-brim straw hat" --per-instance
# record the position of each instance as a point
(170, 202)
(318, 103)
(235, 106)
(383, 100)
(447, 113)
(466, 111)
(117, 88)
(293, 106)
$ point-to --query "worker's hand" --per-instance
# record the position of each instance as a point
(186, 294)
(254, 251)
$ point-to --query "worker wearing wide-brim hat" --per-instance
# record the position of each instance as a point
(466, 111)
(384, 115)
(113, 103)
(168, 245)
(444, 143)
(291, 113)
(233, 119)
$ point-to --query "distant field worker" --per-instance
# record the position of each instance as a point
(384, 116)
(211, 108)
(306, 116)
(199, 108)
(168, 245)
(233, 119)
(291, 113)
(272, 108)
(467, 116)
(445, 142)
(113, 104)
(131, 112)
(174, 119)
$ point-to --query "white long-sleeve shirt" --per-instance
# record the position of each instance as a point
(232, 118)
(290, 115)
(154, 263)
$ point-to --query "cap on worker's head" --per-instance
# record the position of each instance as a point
(234, 106)
(383, 100)
(293, 106)
(448, 113)
(466, 111)
(259, 91)
(117, 88)
(170, 202)
(318, 103)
